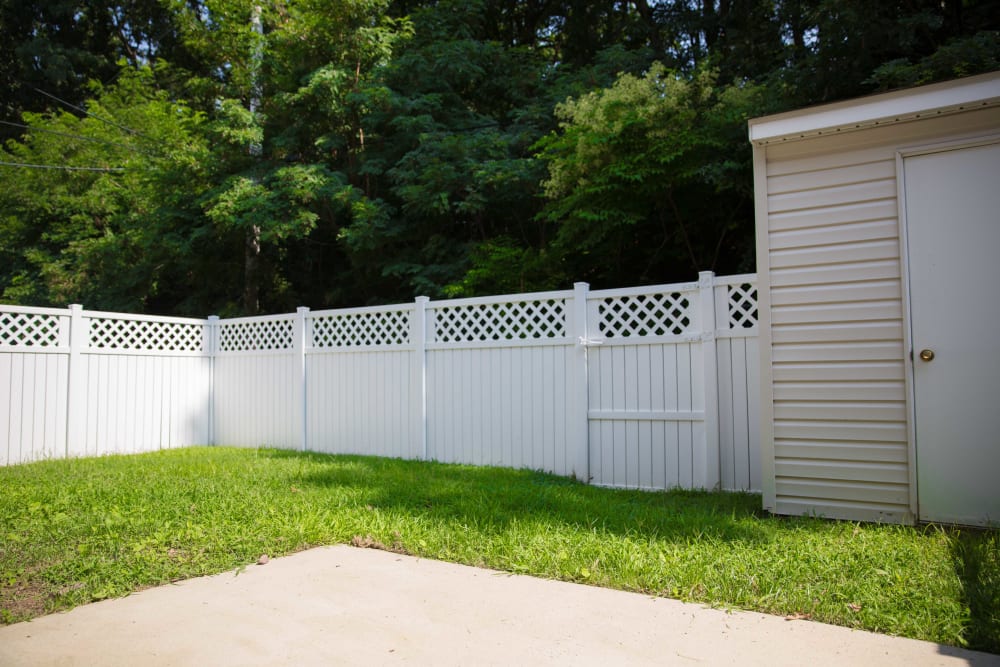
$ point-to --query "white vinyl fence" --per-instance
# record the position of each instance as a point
(84, 383)
(650, 387)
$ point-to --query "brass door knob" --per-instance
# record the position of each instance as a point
(927, 355)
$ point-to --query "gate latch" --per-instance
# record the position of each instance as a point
(590, 342)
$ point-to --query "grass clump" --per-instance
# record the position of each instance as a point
(79, 530)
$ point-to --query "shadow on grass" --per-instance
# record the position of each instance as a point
(976, 555)
(492, 498)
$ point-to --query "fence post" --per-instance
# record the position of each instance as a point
(709, 467)
(302, 340)
(579, 390)
(418, 336)
(76, 394)
(211, 346)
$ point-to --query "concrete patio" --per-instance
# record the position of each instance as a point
(344, 605)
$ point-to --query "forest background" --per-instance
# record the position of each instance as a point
(242, 156)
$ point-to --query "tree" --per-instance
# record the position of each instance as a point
(81, 223)
(364, 151)
(51, 51)
(651, 176)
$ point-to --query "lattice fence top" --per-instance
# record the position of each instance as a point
(517, 320)
(108, 333)
(742, 302)
(373, 328)
(256, 335)
(29, 330)
(661, 314)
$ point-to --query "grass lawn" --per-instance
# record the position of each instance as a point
(81, 530)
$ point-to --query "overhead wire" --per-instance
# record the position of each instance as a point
(94, 116)
(63, 167)
(71, 136)
(119, 126)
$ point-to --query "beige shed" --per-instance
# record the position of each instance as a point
(878, 256)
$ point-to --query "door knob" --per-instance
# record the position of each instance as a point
(927, 355)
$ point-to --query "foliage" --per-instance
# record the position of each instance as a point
(99, 236)
(958, 58)
(86, 529)
(365, 151)
(637, 162)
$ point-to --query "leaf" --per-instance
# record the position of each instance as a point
(797, 616)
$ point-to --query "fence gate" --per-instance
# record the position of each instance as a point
(646, 389)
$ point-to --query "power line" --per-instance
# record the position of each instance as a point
(103, 120)
(59, 166)
(71, 136)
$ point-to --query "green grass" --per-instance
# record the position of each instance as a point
(81, 530)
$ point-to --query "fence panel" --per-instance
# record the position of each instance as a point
(646, 398)
(501, 406)
(738, 368)
(34, 363)
(145, 384)
(32, 406)
(363, 390)
(76, 383)
(139, 403)
(498, 372)
(256, 378)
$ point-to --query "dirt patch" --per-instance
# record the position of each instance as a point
(369, 542)
(22, 600)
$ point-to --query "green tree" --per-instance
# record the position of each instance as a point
(364, 151)
(649, 179)
(81, 197)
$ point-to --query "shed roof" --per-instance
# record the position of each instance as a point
(880, 109)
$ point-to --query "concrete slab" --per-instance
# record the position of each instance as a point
(346, 605)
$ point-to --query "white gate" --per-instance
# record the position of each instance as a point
(672, 379)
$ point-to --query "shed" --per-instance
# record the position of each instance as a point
(878, 258)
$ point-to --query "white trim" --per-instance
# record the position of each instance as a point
(883, 109)
(597, 295)
(130, 317)
(34, 349)
(250, 319)
(559, 295)
(35, 310)
(737, 279)
(143, 352)
(286, 352)
(356, 349)
(561, 341)
(749, 332)
(904, 268)
(672, 339)
(768, 482)
(647, 415)
(363, 310)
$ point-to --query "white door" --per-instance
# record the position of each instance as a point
(953, 243)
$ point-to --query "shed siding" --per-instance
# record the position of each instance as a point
(837, 337)
(838, 396)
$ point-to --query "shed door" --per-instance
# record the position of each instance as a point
(953, 238)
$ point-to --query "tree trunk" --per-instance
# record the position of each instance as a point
(251, 271)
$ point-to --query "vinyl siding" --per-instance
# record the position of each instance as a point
(837, 337)
(838, 396)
